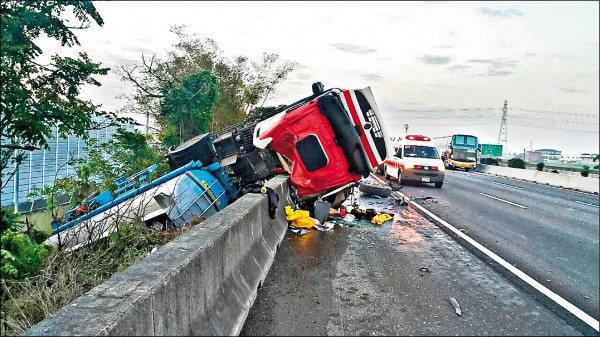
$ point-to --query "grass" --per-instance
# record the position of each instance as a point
(66, 276)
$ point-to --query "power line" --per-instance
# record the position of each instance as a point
(556, 112)
(555, 120)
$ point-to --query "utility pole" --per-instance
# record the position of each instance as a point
(406, 128)
(502, 136)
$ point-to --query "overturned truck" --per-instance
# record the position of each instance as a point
(327, 142)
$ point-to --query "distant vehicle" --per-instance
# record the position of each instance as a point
(415, 159)
(459, 151)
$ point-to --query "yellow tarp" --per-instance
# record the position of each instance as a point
(299, 218)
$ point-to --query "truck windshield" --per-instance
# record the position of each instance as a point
(418, 151)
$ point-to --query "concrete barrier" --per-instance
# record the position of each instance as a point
(586, 184)
(202, 283)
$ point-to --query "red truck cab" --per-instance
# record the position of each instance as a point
(333, 139)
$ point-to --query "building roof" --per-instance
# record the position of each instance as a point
(549, 151)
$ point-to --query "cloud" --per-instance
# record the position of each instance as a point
(493, 72)
(500, 13)
(571, 90)
(303, 76)
(352, 48)
(444, 47)
(496, 67)
(496, 63)
(441, 85)
(435, 59)
(372, 77)
(458, 67)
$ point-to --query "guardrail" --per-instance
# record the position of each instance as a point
(586, 184)
(202, 283)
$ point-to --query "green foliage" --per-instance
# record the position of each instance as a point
(585, 170)
(187, 106)
(241, 85)
(8, 220)
(20, 255)
(516, 163)
(489, 161)
(36, 97)
(540, 166)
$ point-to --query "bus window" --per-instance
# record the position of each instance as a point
(471, 141)
(459, 140)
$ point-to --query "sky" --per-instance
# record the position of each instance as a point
(440, 67)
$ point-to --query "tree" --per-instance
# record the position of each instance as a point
(242, 85)
(187, 106)
(516, 163)
(585, 170)
(36, 97)
(540, 166)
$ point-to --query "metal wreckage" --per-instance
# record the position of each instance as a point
(326, 142)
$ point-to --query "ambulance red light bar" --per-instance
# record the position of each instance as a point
(418, 137)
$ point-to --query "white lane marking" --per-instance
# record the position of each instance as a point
(503, 184)
(589, 320)
(585, 203)
(506, 201)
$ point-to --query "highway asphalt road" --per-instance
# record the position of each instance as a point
(549, 233)
(394, 279)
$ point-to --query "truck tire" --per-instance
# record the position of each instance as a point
(439, 185)
(378, 190)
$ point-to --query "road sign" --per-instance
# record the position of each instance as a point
(491, 150)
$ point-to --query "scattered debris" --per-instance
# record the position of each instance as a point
(455, 305)
(349, 217)
(425, 269)
(299, 231)
(423, 198)
(462, 230)
(325, 227)
(399, 201)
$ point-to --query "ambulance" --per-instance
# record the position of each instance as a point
(415, 159)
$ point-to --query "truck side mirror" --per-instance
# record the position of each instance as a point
(317, 88)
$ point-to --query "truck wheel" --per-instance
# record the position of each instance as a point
(467, 169)
(439, 185)
(385, 174)
(378, 190)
